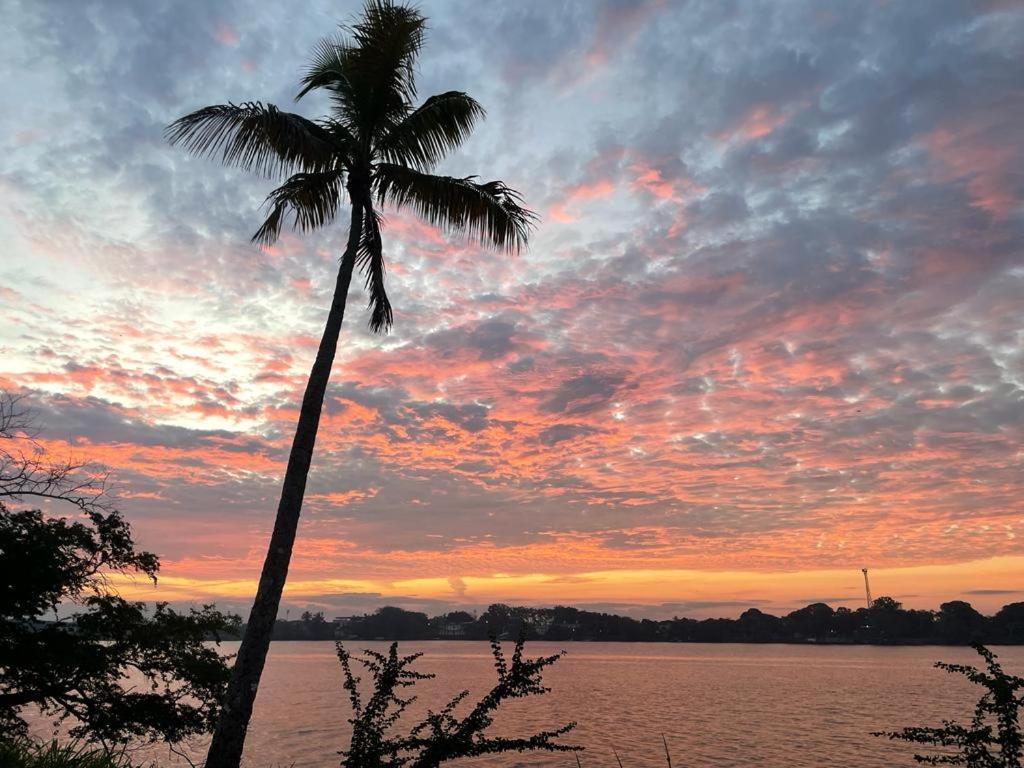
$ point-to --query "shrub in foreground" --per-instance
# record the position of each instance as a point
(993, 739)
(443, 735)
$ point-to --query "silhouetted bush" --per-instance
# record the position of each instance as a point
(993, 739)
(443, 735)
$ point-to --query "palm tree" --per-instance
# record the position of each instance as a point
(379, 148)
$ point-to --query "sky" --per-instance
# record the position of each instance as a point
(768, 332)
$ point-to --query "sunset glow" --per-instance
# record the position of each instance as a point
(769, 331)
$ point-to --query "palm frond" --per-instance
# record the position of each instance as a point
(431, 131)
(330, 66)
(371, 260)
(341, 133)
(311, 198)
(371, 74)
(490, 212)
(255, 137)
(389, 37)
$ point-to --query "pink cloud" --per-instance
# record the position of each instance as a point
(977, 154)
(595, 190)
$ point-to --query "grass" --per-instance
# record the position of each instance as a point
(618, 760)
(24, 754)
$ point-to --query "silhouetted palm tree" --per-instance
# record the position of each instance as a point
(379, 148)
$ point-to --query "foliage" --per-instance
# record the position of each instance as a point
(376, 144)
(72, 665)
(443, 735)
(395, 624)
(993, 739)
(21, 753)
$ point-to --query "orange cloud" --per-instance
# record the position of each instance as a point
(759, 121)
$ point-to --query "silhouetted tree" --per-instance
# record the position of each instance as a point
(379, 148)
(72, 666)
(994, 738)
(959, 623)
(887, 622)
(845, 622)
(886, 603)
(392, 624)
(754, 625)
(444, 735)
(500, 619)
(813, 621)
(1008, 623)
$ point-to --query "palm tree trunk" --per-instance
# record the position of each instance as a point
(229, 737)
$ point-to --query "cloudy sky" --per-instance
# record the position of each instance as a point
(769, 330)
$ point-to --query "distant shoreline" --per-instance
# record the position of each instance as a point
(840, 644)
(886, 622)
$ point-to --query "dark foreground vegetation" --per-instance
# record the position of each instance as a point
(993, 738)
(22, 753)
(886, 622)
(457, 730)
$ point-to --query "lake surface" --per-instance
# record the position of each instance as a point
(717, 705)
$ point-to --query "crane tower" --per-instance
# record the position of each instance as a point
(867, 586)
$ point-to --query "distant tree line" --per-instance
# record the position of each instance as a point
(886, 622)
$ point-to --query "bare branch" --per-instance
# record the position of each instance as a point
(26, 471)
(15, 417)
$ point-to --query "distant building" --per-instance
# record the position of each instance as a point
(342, 625)
(452, 630)
(540, 623)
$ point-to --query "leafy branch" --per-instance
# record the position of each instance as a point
(993, 739)
(443, 735)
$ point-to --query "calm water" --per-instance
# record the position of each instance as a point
(718, 705)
